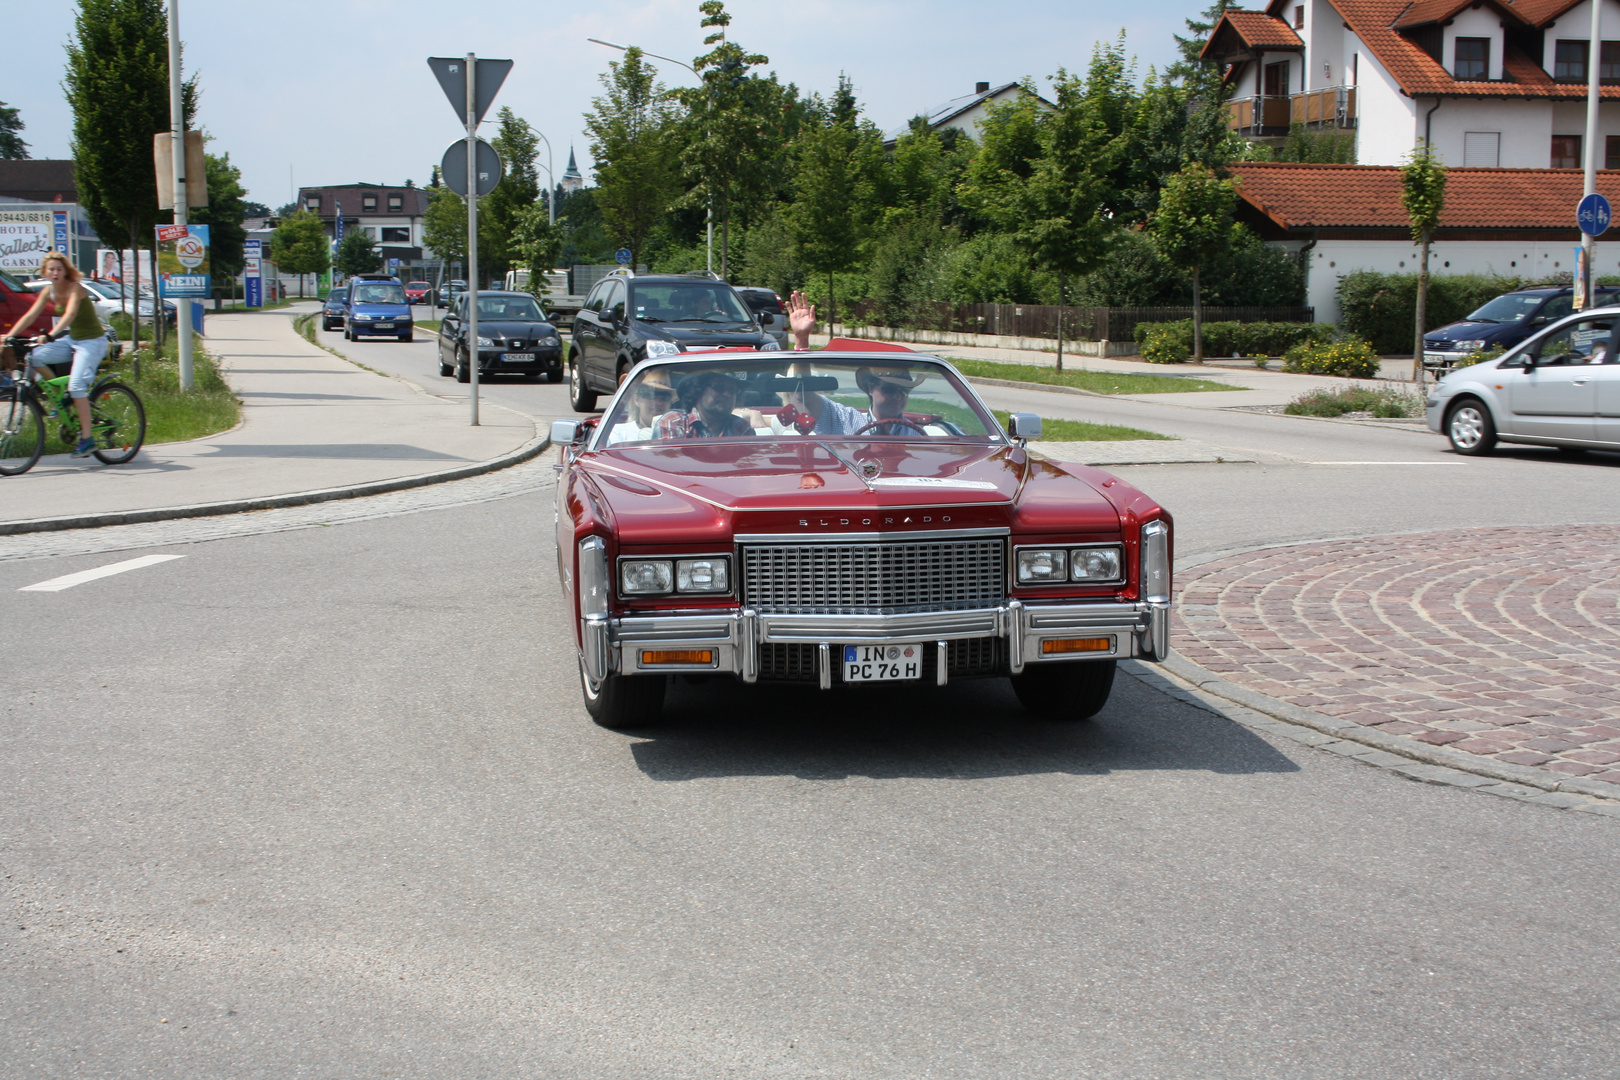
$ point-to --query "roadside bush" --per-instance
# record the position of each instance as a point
(1349, 357)
(1383, 307)
(1172, 342)
(1382, 402)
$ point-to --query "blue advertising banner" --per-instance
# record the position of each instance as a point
(60, 230)
(253, 273)
(183, 265)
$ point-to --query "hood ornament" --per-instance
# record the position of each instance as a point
(869, 469)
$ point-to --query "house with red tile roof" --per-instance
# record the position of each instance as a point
(1489, 83)
(1341, 218)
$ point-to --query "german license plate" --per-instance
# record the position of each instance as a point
(516, 357)
(1436, 358)
(883, 663)
(383, 325)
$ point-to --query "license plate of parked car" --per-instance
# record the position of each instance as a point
(882, 663)
(516, 357)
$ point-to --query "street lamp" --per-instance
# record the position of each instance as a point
(551, 179)
(709, 211)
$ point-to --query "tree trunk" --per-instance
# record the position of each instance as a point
(725, 239)
(1422, 313)
(1062, 283)
(135, 308)
(1198, 320)
(832, 303)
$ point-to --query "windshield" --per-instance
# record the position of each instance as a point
(910, 399)
(383, 293)
(689, 302)
(417, 285)
(515, 308)
(1506, 309)
(109, 289)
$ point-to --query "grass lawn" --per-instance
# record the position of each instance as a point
(1098, 382)
(1084, 431)
(429, 324)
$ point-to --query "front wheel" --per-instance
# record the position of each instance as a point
(117, 423)
(1068, 690)
(444, 368)
(579, 396)
(623, 701)
(22, 433)
(463, 373)
(1470, 429)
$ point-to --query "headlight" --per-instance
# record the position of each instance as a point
(703, 575)
(646, 577)
(659, 347)
(1471, 346)
(1100, 564)
(550, 339)
(361, 318)
(486, 343)
(1038, 565)
(769, 345)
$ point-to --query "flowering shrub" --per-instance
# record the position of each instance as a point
(1349, 357)
(1172, 342)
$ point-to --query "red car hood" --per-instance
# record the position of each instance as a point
(709, 492)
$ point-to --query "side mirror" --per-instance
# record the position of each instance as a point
(567, 432)
(1024, 425)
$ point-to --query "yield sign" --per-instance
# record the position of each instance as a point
(452, 75)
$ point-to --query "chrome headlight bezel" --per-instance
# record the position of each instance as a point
(663, 576)
(1041, 566)
(1064, 562)
(690, 575)
(1097, 564)
(646, 577)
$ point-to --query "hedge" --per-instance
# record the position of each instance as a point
(1172, 342)
(1383, 307)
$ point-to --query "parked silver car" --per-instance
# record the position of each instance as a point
(1559, 388)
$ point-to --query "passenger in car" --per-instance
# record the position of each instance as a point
(713, 394)
(652, 398)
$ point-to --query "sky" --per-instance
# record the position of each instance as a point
(302, 92)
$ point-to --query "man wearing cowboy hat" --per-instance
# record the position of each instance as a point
(712, 393)
(887, 385)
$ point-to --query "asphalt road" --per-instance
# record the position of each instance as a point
(325, 803)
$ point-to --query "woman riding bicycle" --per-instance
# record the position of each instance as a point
(86, 340)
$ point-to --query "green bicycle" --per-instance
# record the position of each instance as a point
(28, 408)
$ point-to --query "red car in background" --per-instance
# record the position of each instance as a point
(15, 300)
(416, 292)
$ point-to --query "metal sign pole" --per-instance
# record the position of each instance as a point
(1594, 58)
(472, 230)
(177, 130)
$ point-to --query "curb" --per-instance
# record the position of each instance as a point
(529, 450)
(1344, 730)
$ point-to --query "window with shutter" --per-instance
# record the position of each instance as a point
(1482, 149)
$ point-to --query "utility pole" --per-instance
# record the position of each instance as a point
(1594, 57)
(177, 132)
(472, 231)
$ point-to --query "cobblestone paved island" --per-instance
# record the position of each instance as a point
(1500, 642)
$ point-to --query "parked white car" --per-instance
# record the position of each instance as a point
(1559, 388)
(110, 297)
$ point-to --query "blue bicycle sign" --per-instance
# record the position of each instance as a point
(1593, 215)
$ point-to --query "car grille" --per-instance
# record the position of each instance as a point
(796, 661)
(1439, 344)
(874, 579)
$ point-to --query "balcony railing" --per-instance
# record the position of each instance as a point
(1264, 115)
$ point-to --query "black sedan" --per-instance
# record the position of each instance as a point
(514, 335)
(332, 313)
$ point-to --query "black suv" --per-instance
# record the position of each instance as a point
(513, 335)
(629, 318)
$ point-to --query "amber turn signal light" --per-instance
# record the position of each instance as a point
(1077, 645)
(677, 656)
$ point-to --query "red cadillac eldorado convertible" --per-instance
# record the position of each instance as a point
(842, 518)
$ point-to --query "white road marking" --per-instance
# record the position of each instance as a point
(69, 580)
(1386, 463)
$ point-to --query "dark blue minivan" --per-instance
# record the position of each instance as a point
(1504, 322)
(375, 306)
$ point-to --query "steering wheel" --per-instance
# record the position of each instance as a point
(891, 420)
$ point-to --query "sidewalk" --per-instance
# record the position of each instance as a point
(311, 423)
(1261, 387)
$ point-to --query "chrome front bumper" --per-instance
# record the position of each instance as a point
(1139, 630)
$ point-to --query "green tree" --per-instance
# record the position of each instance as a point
(536, 244)
(223, 215)
(301, 246)
(631, 130)
(444, 225)
(117, 82)
(1423, 194)
(358, 254)
(734, 133)
(12, 146)
(1193, 227)
(499, 211)
(834, 190)
(1042, 174)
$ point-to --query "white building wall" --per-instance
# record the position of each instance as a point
(1331, 259)
(1324, 36)
(1475, 23)
(1569, 118)
(1576, 25)
(1526, 128)
(1386, 119)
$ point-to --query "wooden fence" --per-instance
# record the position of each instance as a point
(1041, 320)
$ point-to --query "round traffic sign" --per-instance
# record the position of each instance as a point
(453, 167)
(1593, 215)
(623, 255)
